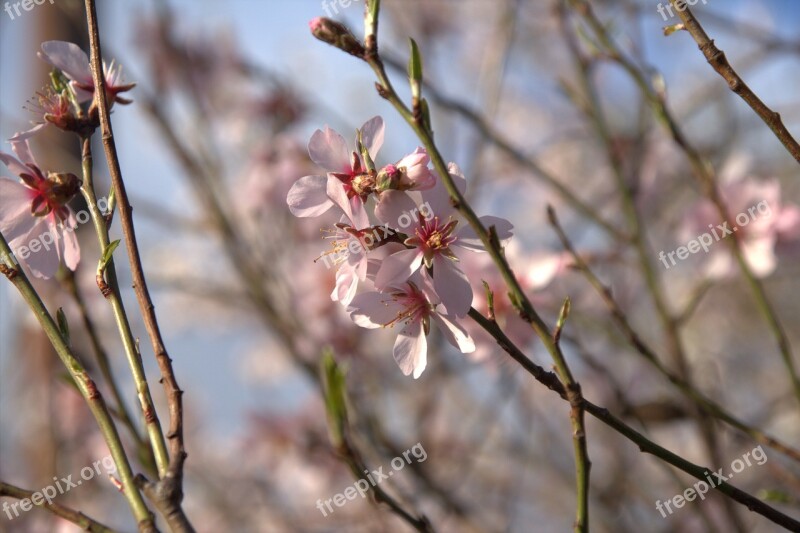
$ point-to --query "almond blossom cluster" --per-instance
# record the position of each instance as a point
(35, 216)
(405, 256)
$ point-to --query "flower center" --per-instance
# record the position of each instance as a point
(415, 307)
(436, 236)
(363, 184)
(51, 193)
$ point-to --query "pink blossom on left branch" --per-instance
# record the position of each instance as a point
(34, 216)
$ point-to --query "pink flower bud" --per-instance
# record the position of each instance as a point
(336, 34)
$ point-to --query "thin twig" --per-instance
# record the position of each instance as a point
(652, 357)
(645, 445)
(84, 383)
(716, 58)
(168, 489)
(705, 175)
(67, 513)
(575, 398)
(111, 291)
(121, 409)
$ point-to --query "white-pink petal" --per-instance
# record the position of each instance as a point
(455, 333)
(329, 150)
(372, 134)
(397, 210)
(467, 237)
(15, 209)
(398, 267)
(452, 286)
(759, 252)
(373, 310)
(14, 165)
(69, 58)
(439, 198)
(308, 197)
(44, 261)
(411, 349)
(346, 285)
(23, 151)
(25, 135)
(353, 208)
(68, 245)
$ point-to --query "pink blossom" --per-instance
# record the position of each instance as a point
(349, 255)
(50, 107)
(433, 241)
(348, 182)
(763, 222)
(413, 304)
(74, 63)
(34, 216)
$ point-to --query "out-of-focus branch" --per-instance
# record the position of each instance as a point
(593, 108)
(341, 437)
(645, 445)
(76, 517)
(651, 357)
(704, 173)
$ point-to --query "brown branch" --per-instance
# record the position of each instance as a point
(716, 58)
(168, 490)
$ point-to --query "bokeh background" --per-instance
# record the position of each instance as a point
(240, 86)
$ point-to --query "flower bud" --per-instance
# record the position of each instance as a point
(336, 34)
(388, 178)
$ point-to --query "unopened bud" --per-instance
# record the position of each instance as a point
(336, 34)
(388, 178)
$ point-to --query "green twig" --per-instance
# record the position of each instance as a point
(85, 384)
(111, 291)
